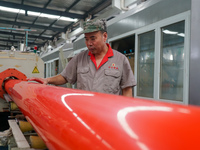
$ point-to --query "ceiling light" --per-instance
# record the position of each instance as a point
(49, 16)
(169, 32)
(22, 11)
(32, 13)
(13, 10)
(9, 9)
(181, 34)
(68, 19)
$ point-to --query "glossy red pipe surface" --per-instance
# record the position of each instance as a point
(75, 119)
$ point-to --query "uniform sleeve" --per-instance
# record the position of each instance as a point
(128, 79)
(70, 71)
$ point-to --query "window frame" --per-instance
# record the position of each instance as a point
(49, 70)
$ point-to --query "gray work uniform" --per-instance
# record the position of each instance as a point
(112, 76)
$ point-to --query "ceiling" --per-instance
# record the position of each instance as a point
(36, 30)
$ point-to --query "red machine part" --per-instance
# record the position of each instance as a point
(10, 73)
(75, 119)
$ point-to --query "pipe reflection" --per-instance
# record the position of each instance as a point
(80, 120)
(121, 117)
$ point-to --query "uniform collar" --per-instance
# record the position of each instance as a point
(105, 59)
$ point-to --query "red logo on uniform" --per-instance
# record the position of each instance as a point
(113, 66)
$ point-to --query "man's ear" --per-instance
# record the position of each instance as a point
(105, 36)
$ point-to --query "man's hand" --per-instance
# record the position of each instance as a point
(55, 80)
(40, 80)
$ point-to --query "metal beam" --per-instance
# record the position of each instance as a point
(47, 28)
(101, 5)
(41, 10)
(47, 3)
(31, 25)
(43, 7)
(8, 46)
(70, 7)
(16, 41)
(23, 35)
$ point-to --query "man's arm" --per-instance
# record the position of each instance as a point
(128, 79)
(127, 92)
(56, 80)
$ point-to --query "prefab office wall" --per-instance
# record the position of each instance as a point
(161, 31)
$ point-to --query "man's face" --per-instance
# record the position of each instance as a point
(95, 41)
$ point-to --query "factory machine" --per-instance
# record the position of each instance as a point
(26, 62)
(67, 118)
(16, 62)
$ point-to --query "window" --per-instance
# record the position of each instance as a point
(172, 61)
(161, 58)
(57, 67)
(127, 47)
(145, 72)
(48, 70)
(52, 68)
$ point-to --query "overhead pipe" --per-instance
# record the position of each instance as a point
(122, 4)
(75, 119)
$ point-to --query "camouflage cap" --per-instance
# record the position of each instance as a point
(94, 25)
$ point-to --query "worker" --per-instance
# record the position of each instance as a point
(98, 69)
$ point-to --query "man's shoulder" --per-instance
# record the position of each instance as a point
(82, 53)
(117, 53)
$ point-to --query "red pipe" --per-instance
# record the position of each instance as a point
(74, 119)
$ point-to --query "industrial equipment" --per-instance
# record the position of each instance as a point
(19, 61)
(28, 63)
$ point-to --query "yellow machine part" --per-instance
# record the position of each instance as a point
(37, 142)
(25, 126)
